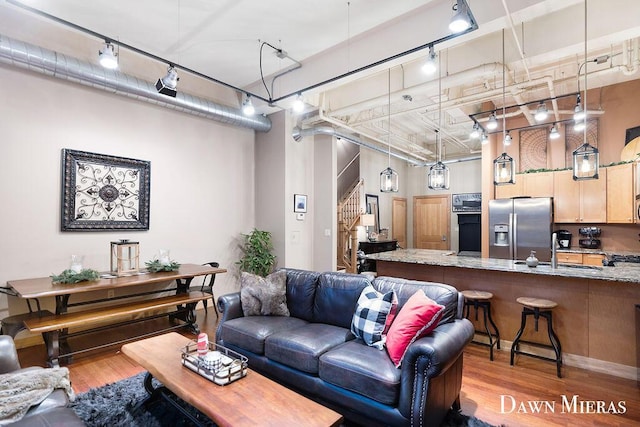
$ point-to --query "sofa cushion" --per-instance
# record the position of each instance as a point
(264, 296)
(336, 298)
(442, 294)
(301, 290)
(417, 318)
(300, 348)
(363, 370)
(250, 332)
(371, 319)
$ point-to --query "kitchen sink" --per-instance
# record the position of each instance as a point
(548, 264)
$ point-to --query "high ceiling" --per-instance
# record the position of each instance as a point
(535, 46)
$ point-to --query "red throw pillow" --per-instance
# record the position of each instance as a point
(418, 317)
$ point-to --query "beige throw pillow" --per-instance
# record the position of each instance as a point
(264, 296)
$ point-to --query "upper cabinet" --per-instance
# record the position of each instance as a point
(621, 193)
(538, 184)
(580, 201)
(508, 191)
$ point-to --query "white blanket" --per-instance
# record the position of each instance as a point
(21, 390)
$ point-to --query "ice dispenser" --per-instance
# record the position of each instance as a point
(501, 234)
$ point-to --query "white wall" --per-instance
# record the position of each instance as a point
(202, 178)
(464, 177)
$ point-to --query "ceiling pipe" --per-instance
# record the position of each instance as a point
(298, 133)
(34, 58)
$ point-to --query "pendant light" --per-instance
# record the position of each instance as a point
(389, 177)
(438, 178)
(504, 166)
(586, 159)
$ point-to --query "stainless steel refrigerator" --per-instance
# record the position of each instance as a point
(520, 225)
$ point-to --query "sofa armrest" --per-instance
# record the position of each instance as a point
(230, 307)
(430, 357)
(8, 355)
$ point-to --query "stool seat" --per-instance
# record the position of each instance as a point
(12, 325)
(477, 295)
(537, 303)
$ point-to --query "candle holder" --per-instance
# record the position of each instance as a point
(125, 257)
(76, 263)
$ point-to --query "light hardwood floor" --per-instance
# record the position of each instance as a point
(483, 386)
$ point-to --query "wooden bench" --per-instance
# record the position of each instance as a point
(54, 327)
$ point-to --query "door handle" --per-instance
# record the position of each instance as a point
(444, 237)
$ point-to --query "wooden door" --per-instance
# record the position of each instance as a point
(431, 222)
(399, 221)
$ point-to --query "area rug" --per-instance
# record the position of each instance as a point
(114, 405)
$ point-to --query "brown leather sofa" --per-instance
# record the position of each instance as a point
(52, 411)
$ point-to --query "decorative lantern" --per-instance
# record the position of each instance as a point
(503, 170)
(438, 178)
(125, 257)
(586, 161)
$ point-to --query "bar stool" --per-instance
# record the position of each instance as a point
(13, 325)
(482, 299)
(537, 308)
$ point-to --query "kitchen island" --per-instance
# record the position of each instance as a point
(595, 317)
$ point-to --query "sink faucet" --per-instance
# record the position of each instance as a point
(554, 255)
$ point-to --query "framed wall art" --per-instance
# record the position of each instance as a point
(102, 192)
(300, 203)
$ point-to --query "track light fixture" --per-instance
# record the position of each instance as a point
(484, 139)
(579, 125)
(578, 112)
(475, 132)
(541, 113)
(298, 104)
(460, 20)
(507, 139)
(247, 106)
(430, 65)
(167, 84)
(107, 58)
(554, 134)
(492, 124)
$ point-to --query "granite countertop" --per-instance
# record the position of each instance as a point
(620, 273)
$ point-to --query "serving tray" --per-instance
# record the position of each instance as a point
(231, 367)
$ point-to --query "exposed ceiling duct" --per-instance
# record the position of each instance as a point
(298, 133)
(50, 63)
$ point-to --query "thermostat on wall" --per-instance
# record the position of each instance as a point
(300, 217)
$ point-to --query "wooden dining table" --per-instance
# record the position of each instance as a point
(91, 313)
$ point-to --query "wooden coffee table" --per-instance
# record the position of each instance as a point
(251, 401)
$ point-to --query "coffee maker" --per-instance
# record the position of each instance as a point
(589, 240)
(564, 239)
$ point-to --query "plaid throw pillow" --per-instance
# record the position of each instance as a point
(370, 319)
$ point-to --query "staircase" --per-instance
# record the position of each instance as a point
(349, 211)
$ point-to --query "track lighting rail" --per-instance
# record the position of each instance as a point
(270, 100)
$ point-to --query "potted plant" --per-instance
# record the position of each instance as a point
(258, 257)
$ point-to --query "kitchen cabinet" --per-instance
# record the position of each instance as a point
(569, 258)
(508, 191)
(592, 259)
(621, 193)
(579, 201)
(580, 258)
(538, 184)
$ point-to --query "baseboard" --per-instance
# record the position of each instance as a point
(568, 359)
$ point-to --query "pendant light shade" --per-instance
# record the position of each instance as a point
(503, 170)
(554, 134)
(492, 124)
(389, 177)
(107, 57)
(460, 20)
(586, 161)
(439, 177)
(389, 181)
(541, 112)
